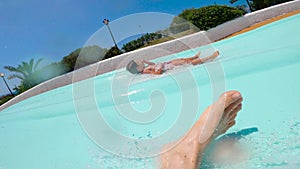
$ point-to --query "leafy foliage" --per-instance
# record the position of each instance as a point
(70, 60)
(5, 98)
(242, 8)
(52, 70)
(179, 25)
(260, 4)
(30, 75)
(114, 51)
(83, 56)
(27, 72)
(20, 89)
(140, 42)
(209, 16)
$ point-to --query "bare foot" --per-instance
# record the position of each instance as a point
(215, 120)
(202, 60)
(211, 57)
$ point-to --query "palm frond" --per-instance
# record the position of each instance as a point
(37, 64)
(15, 76)
(11, 68)
(26, 72)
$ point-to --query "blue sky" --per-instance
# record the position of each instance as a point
(53, 29)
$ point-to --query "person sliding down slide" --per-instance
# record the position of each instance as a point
(187, 152)
(146, 67)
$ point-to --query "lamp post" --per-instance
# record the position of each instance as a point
(2, 75)
(249, 6)
(106, 22)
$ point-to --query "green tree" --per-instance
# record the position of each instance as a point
(243, 8)
(20, 88)
(210, 16)
(52, 70)
(141, 41)
(5, 98)
(70, 60)
(27, 72)
(260, 4)
(114, 51)
(37, 75)
(83, 56)
(179, 24)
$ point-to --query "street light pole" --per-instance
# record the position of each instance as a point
(249, 6)
(2, 75)
(106, 22)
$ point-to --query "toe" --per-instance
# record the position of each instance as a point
(235, 110)
(231, 124)
(233, 106)
(230, 97)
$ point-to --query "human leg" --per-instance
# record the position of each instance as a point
(202, 60)
(187, 152)
(182, 61)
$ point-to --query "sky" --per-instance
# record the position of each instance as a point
(52, 29)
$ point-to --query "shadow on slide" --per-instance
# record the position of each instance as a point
(236, 136)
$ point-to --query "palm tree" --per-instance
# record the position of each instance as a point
(26, 72)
